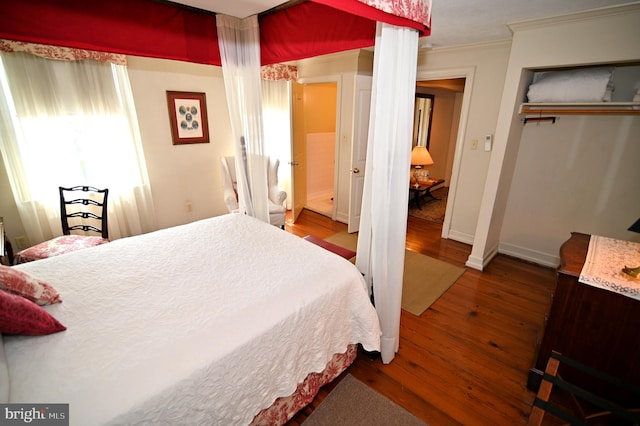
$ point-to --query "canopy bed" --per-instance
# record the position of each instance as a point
(287, 33)
(200, 321)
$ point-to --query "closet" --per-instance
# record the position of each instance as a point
(605, 89)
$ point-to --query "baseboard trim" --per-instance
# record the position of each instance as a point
(480, 263)
(534, 256)
(460, 237)
(474, 262)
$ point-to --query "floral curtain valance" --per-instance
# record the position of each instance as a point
(61, 53)
(414, 14)
(166, 30)
(275, 72)
(414, 10)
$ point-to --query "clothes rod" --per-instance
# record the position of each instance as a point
(539, 119)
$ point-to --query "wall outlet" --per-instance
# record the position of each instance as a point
(474, 143)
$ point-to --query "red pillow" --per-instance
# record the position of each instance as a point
(21, 316)
(34, 289)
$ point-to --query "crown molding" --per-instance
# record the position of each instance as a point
(574, 17)
(498, 44)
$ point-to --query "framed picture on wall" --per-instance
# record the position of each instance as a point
(188, 117)
(422, 117)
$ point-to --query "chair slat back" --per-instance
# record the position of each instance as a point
(84, 208)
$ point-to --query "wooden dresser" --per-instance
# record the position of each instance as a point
(596, 327)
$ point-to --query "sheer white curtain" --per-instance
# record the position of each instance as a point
(68, 123)
(276, 108)
(382, 235)
(239, 41)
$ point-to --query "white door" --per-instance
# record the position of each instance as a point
(359, 149)
(298, 153)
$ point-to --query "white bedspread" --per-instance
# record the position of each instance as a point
(205, 323)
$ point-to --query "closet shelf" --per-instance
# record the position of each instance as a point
(610, 108)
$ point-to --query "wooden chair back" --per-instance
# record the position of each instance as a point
(84, 208)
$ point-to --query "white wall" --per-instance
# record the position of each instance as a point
(580, 174)
(603, 37)
(181, 174)
(488, 65)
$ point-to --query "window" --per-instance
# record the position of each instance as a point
(70, 123)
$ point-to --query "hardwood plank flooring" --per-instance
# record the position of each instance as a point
(465, 360)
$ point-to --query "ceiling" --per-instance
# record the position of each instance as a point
(454, 22)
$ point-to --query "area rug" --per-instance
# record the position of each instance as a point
(425, 278)
(354, 403)
(432, 210)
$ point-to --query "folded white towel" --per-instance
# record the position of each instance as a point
(575, 85)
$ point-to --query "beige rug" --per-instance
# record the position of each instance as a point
(425, 278)
(354, 403)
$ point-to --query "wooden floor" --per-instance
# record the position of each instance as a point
(465, 360)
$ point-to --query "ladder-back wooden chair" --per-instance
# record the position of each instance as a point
(82, 208)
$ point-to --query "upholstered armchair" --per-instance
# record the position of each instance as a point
(277, 210)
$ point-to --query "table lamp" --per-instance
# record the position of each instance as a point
(420, 157)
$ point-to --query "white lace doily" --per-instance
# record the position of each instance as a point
(603, 266)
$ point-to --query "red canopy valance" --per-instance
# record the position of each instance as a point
(163, 30)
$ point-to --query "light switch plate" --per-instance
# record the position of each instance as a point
(488, 141)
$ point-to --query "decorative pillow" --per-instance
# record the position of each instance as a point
(21, 316)
(34, 289)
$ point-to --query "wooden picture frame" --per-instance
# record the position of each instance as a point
(188, 117)
(423, 115)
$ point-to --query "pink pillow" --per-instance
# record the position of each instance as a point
(21, 316)
(34, 289)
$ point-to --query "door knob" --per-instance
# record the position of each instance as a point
(355, 170)
(293, 163)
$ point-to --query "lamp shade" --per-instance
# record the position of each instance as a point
(420, 156)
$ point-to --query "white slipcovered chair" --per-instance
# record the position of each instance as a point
(277, 210)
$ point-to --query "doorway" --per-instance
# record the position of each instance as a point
(446, 140)
(446, 97)
(319, 110)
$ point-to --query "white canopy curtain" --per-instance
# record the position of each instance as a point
(383, 223)
(67, 123)
(276, 105)
(239, 42)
